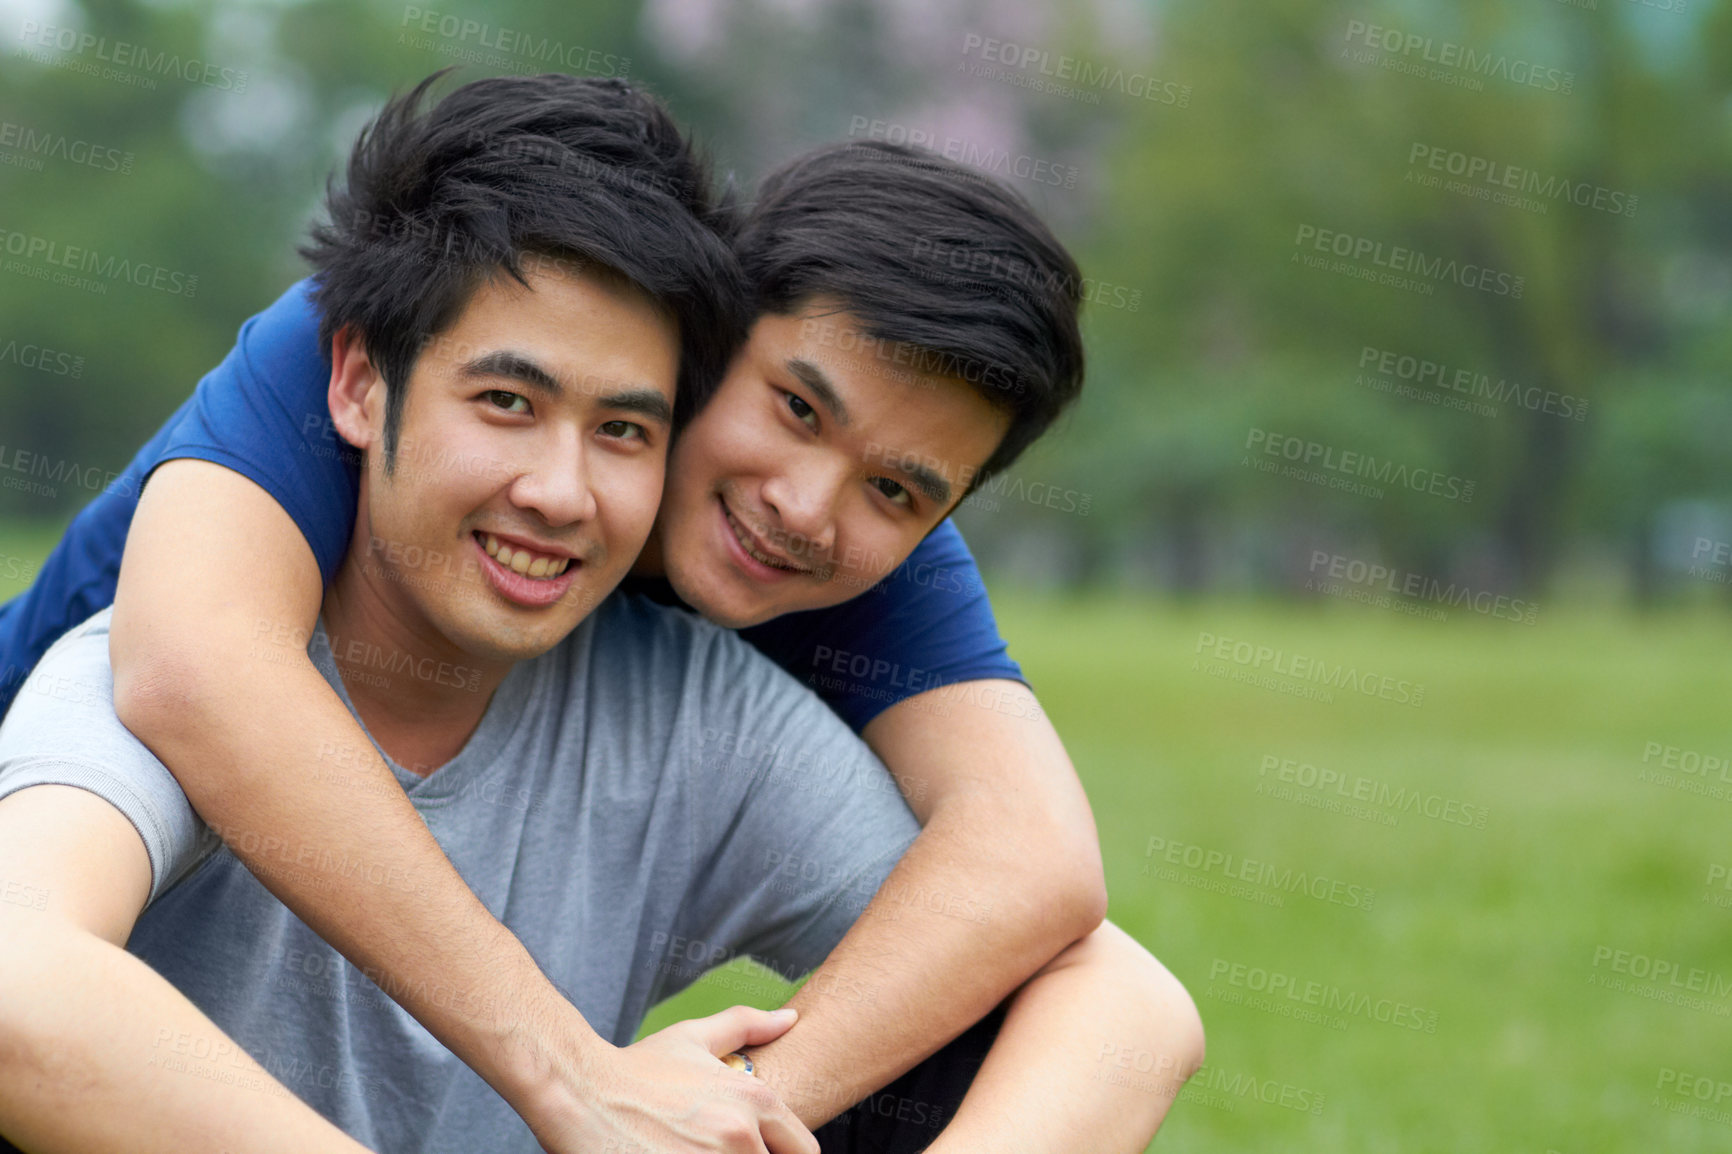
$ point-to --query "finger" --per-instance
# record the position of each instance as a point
(786, 1134)
(739, 1026)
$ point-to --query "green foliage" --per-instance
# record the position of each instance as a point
(1190, 211)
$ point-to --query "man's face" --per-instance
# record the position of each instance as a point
(529, 464)
(817, 467)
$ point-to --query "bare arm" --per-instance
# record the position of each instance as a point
(1091, 1055)
(98, 1054)
(1005, 874)
(271, 758)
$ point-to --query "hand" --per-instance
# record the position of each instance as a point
(671, 1094)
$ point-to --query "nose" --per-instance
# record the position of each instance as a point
(804, 496)
(556, 482)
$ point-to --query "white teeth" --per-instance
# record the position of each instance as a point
(752, 550)
(523, 561)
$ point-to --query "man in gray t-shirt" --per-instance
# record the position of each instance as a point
(602, 809)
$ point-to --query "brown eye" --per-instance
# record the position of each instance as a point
(894, 491)
(625, 430)
(803, 412)
(508, 401)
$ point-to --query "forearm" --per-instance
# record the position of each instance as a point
(960, 922)
(1005, 874)
(217, 595)
(337, 840)
(100, 1055)
(1092, 1053)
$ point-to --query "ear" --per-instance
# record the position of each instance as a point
(357, 391)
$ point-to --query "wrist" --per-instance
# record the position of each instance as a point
(539, 1053)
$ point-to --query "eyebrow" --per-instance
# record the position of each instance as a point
(934, 486)
(813, 378)
(515, 366)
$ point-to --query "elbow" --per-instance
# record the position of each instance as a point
(1167, 1022)
(1079, 887)
(161, 695)
(1178, 1024)
(1055, 874)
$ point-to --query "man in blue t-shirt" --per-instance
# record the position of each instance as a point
(917, 330)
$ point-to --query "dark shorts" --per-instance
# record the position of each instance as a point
(907, 1115)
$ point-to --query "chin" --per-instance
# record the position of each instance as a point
(729, 613)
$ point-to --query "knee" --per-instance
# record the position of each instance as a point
(1174, 1026)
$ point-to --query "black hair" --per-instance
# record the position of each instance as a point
(929, 255)
(590, 173)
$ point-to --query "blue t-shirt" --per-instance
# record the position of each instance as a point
(263, 413)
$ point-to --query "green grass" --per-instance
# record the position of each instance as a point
(1493, 930)
(23, 545)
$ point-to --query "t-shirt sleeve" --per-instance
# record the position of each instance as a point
(796, 824)
(263, 412)
(928, 624)
(62, 730)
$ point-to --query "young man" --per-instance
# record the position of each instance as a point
(820, 464)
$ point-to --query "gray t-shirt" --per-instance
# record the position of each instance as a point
(648, 798)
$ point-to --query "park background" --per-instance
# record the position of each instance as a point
(1525, 331)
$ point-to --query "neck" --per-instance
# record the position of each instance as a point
(420, 697)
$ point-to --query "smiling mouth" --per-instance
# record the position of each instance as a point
(525, 562)
(750, 544)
